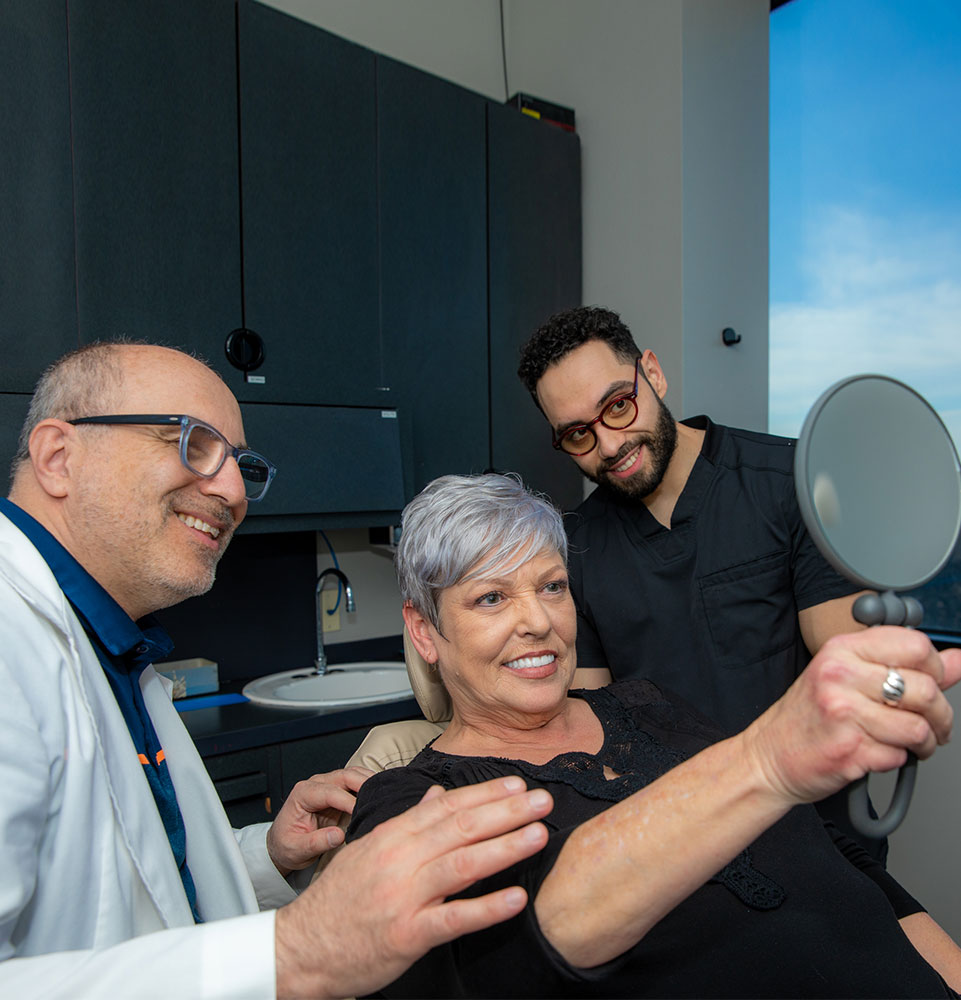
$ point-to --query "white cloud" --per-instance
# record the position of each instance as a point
(886, 298)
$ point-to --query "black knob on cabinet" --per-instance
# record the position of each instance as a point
(244, 349)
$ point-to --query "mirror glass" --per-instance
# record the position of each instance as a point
(878, 483)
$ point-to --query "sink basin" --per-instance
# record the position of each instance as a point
(364, 683)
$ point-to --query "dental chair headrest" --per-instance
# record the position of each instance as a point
(426, 684)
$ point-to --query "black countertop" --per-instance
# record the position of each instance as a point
(243, 726)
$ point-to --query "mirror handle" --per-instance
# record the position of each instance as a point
(858, 809)
(884, 609)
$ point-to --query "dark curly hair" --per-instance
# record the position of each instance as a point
(569, 329)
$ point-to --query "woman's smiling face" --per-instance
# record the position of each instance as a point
(505, 646)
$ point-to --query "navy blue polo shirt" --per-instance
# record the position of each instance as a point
(124, 648)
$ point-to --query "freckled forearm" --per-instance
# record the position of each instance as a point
(622, 871)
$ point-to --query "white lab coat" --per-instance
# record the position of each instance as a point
(91, 901)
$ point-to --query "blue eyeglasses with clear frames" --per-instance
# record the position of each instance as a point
(203, 449)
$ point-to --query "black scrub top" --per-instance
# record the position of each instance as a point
(707, 608)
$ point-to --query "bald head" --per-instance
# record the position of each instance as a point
(92, 380)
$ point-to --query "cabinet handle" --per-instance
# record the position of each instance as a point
(244, 349)
(244, 786)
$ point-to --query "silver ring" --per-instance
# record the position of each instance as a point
(892, 690)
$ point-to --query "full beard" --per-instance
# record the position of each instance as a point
(659, 444)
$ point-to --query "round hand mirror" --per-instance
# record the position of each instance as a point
(879, 487)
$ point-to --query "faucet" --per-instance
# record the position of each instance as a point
(320, 664)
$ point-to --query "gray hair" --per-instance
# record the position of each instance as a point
(457, 523)
(83, 382)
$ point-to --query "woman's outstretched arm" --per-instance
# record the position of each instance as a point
(622, 871)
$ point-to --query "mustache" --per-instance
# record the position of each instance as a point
(212, 512)
(624, 451)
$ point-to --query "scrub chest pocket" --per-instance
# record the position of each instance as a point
(744, 613)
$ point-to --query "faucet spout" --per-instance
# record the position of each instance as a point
(320, 663)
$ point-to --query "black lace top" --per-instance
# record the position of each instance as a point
(790, 916)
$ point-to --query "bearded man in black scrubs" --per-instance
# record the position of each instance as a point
(690, 564)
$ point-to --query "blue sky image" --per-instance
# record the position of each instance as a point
(865, 200)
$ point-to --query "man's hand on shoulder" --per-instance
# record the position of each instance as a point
(380, 905)
(310, 821)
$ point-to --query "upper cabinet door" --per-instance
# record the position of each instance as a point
(433, 231)
(535, 270)
(308, 163)
(13, 412)
(154, 106)
(38, 318)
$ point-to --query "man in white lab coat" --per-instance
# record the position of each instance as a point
(119, 873)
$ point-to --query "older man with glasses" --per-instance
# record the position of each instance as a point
(690, 564)
(119, 873)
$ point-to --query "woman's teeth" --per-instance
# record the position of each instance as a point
(195, 522)
(527, 662)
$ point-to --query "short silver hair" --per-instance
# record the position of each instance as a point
(460, 527)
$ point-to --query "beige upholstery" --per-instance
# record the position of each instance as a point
(426, 684)
(395, 744)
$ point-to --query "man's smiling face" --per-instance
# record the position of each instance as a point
(631, 460)
(147, 529)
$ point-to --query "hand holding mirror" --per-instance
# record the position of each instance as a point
(879, 488)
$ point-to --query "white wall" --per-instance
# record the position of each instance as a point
(370, 570)
(725, 209)
(618, 63)
(458, 40)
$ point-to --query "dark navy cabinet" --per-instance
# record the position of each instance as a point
(174, 172)
(253, 784)
(200, 212)
(154, 97)
(480, 243)
(309, 213)
(13, 412)
(38, 320)
(343, 463)
(248, 783)
(432, 179)
(535, 271)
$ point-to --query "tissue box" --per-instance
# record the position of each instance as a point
(190, 677)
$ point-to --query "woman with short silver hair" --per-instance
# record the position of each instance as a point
(677, 863)
(464, 526)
